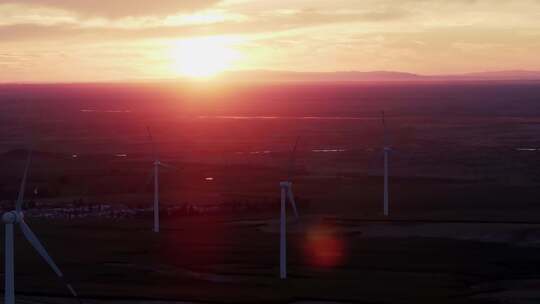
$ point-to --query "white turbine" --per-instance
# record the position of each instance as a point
(155, 174)
(286, 193)
(386, 151)
(17, 217)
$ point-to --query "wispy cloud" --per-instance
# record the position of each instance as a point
(120, 8)
(120, 36)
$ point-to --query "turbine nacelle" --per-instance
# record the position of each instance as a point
(285, 184)
(12, 217)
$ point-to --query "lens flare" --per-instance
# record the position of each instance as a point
(324, 247)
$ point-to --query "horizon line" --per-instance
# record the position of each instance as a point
(415, 77)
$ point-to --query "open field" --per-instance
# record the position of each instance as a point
(216, 259)
(465, 182)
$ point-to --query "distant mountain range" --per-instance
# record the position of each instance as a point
(266, 75)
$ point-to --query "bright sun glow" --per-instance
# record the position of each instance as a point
(203, 57)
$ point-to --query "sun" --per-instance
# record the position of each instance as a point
(202, 57)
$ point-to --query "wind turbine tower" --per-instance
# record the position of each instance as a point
(386, 152)
(10, 219)
(286, 194)
(155, 172)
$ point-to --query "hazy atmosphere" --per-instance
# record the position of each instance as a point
(73, 41)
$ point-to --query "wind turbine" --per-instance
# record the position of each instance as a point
(17, 217)
(386, 152)
(286, 193)
(155, 173)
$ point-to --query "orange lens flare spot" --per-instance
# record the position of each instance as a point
(324, 247)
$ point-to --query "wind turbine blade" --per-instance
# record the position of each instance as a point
(151, 138)
(385, 137)
(149, 133)
(147, 181)
(20, 198)
(166, 165)
(293, 202)
(34, 241)
(374, 162)
(292, 159)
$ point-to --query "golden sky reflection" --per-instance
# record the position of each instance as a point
(65, 40)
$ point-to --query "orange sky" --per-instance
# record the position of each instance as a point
(69, 40)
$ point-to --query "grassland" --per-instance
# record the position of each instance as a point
(464, 225)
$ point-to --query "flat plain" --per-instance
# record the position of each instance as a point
(464, 223)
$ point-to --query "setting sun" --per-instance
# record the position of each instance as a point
(203, 57)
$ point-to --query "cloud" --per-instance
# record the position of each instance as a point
(120, 8)
(137, 19)
(265, 23)
(94, 39)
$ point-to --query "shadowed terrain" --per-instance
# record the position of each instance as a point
(464, 214)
